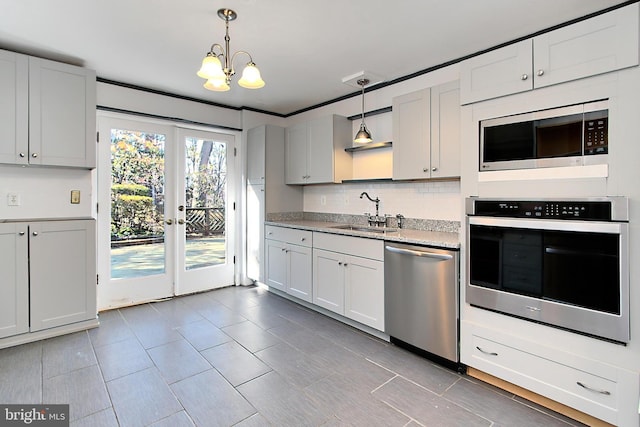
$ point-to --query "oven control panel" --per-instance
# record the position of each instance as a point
(582, 210)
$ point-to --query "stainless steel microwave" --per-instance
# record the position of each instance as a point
(575, 135)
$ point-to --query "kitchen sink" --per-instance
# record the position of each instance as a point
(365, 228)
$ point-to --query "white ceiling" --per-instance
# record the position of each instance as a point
(303, 47)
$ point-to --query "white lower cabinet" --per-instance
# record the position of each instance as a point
(48, 275)
(348, 277)
(595, 388)
(288, 261)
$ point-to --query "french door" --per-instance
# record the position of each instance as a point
(165, 197)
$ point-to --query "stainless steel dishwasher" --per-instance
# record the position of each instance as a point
(421, 298)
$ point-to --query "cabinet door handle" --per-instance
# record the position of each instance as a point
(35, 233)
(339, 263)
(434, 169)
(34, 155)
(345, 264)
(595, 390)
(425, 169)
(169, 221)
(487, 352)
(21, 233)
(303, 239)
(541, 72)
(21, 154)
(524, 77)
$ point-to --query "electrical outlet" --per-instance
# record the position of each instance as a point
(13, 199)
(75, 197)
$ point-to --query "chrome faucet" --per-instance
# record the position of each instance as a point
(376, 219)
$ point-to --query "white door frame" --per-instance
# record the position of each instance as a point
(107, 299)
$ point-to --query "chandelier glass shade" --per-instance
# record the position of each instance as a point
(217, 65)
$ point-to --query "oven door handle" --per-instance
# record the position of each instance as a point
(401, 251)
(552, 250)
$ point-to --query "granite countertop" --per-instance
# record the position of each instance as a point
(440, 239)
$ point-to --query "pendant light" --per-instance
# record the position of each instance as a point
(363, 136)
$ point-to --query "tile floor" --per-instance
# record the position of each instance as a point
(245, 357)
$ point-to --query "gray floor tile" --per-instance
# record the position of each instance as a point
(110, 331)
(497, 407)
(203, 334)
(281, 403)
(104, 418)
(336, 393)
(154, 332)
(67, 353)
(21, 365)
(142, 398)
(256, 420)
(415, 368)
(424, 406)
(176, 313)
(122, 358)
(295, 366)
(221, 316)
(324, 372)
(251, 336)
(180, 419)
(211, 401)
(83, 389)
(235, 363)
(178, 360)
(264, 316)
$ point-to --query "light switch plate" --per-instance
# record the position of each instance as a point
(75, 197)
(13, 199)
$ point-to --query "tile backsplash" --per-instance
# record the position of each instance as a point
(430, 200)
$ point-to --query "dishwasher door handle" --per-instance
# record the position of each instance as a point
(401, 251)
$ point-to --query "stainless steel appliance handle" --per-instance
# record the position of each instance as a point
(550, 224)
(442, 257)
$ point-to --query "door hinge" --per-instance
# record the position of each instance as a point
(98, 136)
(97, 279)
(234, 206)
(234, 259)
(97, 207)
(235, 151)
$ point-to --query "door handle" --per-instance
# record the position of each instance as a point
(401, 251)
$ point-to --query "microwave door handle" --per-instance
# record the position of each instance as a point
(401, 251)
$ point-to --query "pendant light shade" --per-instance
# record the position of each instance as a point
(363, 136)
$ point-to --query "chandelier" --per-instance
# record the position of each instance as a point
(217, 68)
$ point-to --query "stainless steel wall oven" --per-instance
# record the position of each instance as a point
(564, 263)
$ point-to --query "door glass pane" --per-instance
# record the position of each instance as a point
(205, 202)
(137, 203)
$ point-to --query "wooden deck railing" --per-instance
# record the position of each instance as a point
(205, 221)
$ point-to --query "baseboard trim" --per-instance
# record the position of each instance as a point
(48, 333)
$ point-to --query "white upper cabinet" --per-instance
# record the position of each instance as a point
(500, 72)
(426, 133)
(256, 155)
(601, 44)
(14, 107)
(411, 135)
(49, 115)
(315, 153)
